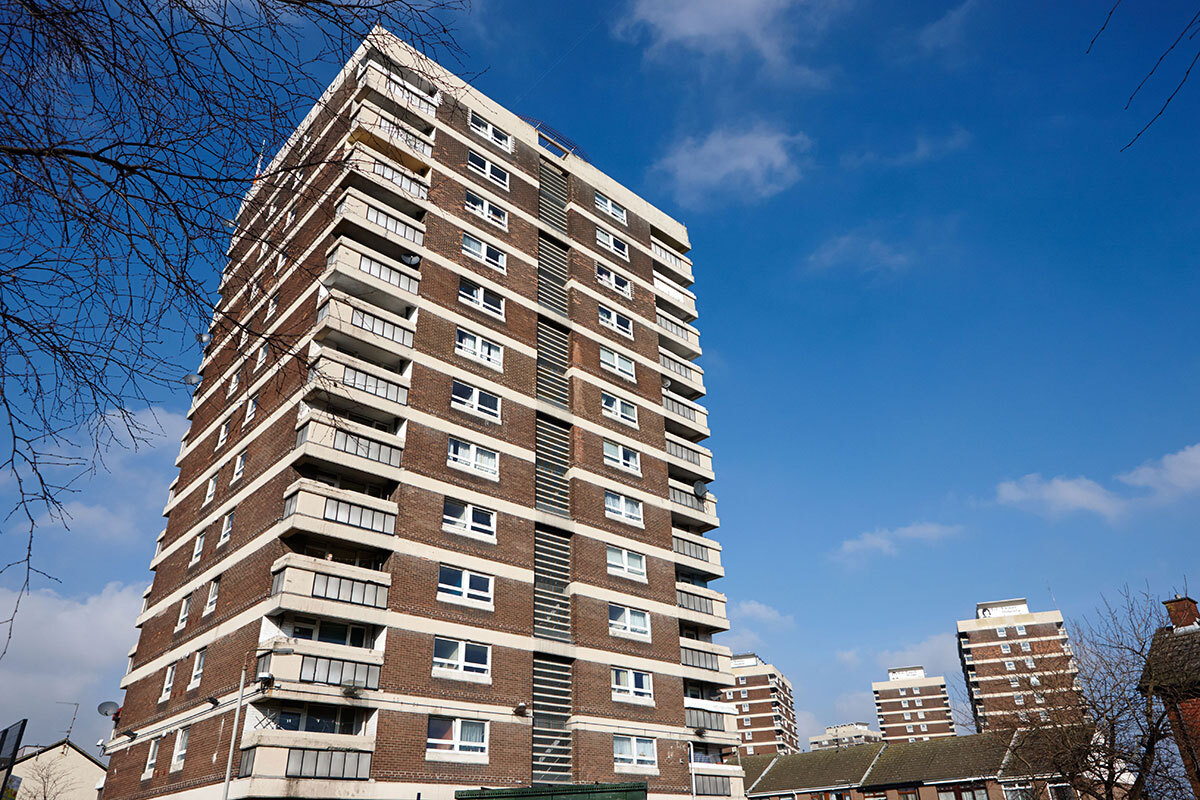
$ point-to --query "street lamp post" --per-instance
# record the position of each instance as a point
(237, 712)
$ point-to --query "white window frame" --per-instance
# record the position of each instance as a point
(185, 610)
(197, 548)
(214, 592)
(1010, 666)
(637, 758)
(459, 668)
(222, 434)
(210, 490)
(629, 512)
(468, 528)
(606, 276)
(226, 527)
(151, 757)
(624, 624)
(471, 404)
(1005, 648)
(251, 409)
(490, 132)
(181, 747)
(261, 357)
(617, 363)
(239, 466)
(616, 321)
(625, 690)
(472, 294)
(625, 563)
(485, 209)
(621, 457)
(477, 351)
(488, 254)
(233, 384)
(168, 682)
(1020, 630)
(472, 462)
(272, 304)
(460, 749)
(615, 409)
(617, 212)
(461, 594)
(1001, 632)
(488, 169)
(612, 243)
(197, 667)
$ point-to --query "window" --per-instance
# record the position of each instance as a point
(1010, 666)
(745, 693)
(472, 458)
(634, 751)
(1034, 680)
(481, 251)
(1029, 663)
(626, 563)
(168, 682)
(239, 466)
(745, 722)
(742, 682)
(904, 704)
(618, 322)
(151, 757)
(626, 509)
(920, 715)
(261, 357)
(490, 132)
(1006, 648)
(907, 715)
(916, 690)
(177, 759)
(622, 457)
(1020, 630)
(630, 621)
(615, 362)
(619, 284)
(251, 408)
(210, 489)
(197, 548)
(612, 209)
(924, 727)
(185, 606)
(903, 692)
(214, 589)
(486, 209)
(357, 516)
(464, 586)
(197, 668)
(226, 528)
(908, 728)
(223, 434)
(456, 735)
(272, 304)
(321, 764)
(465, 518)
(480, 349)
(460, 657)
(485, 299)
(631, 683)
(745, 707)
(233, 385)
(1020, 791)
(1014, 681)
(918, 702)
(493, 172)
(1026, 647)
(475, 401)
(620, 410)
(1001, 632)
(331, 632)
(610, 242)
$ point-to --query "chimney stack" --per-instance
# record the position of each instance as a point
(1182, 611)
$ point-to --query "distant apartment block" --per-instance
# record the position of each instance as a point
(847, 735)
(766, 713)
(1017, 664)
(912, 706)
(443, 493)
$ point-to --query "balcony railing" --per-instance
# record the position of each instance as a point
(338, 373)
(368, 274)
(691, 549)
(372, 119)
(315, 506)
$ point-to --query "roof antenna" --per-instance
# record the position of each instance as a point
(74, 714)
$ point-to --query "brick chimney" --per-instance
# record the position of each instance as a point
(1182, 611)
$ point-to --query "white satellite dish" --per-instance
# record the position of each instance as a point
(108, 708)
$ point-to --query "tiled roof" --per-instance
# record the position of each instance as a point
(946, 759)
(817, 770)
(1174, 661)
(753, 766)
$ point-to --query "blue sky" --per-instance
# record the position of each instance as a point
(949, 326)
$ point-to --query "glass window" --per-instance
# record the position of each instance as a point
(612, 209)
(612, 243)
(463, 517)
(634, 751)
(486, 209)
(481, 251)
(618, 363)
(482, 298)
(474, 400)
(614, 281)
(456, 735)
(619, 409)
(478, 348)
(454, 582)
(626, 562)
(459, 656)
(490, 132)
(471, 457)
(617, 321)
(628, 620)
(493, 172)
(626, 509)
(622, 457)
(631, 683)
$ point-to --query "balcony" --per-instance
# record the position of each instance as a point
(272, 768)
(701, 606)
(353, 517)
(378, 217)
(376, 278)
(673, 263)
(685, 418)
(711, 662)
(391, 136)
(700, 554)
(333, 374)
(350, 445)
(688, 509)
(307, 576)
(374, 77)
(676, 300)
(379, 336)
(685, 378)
(688, 462)
(677, 336)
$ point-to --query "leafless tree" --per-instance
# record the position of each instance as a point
(1116, 743)
(49, 779)
(129, 132)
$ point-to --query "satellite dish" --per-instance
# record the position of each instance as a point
(192, 379)
(700, 488)
(410, 260)
(203, 338)
(108, 708)
(666, 382)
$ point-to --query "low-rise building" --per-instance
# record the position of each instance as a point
(60, 771)
(912, 706)
(1173, 674)
(847, 735)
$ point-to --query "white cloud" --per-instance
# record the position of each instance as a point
(888, 541)
(946, 32)
(849, 658)
(770, 29)
(925, 148)
(938, 654)
(860, 252)
(856, 707)
(1162, 481)
(749, 620)
(807, 724)
(755, 164)
(67, 650)
(1059, 495)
